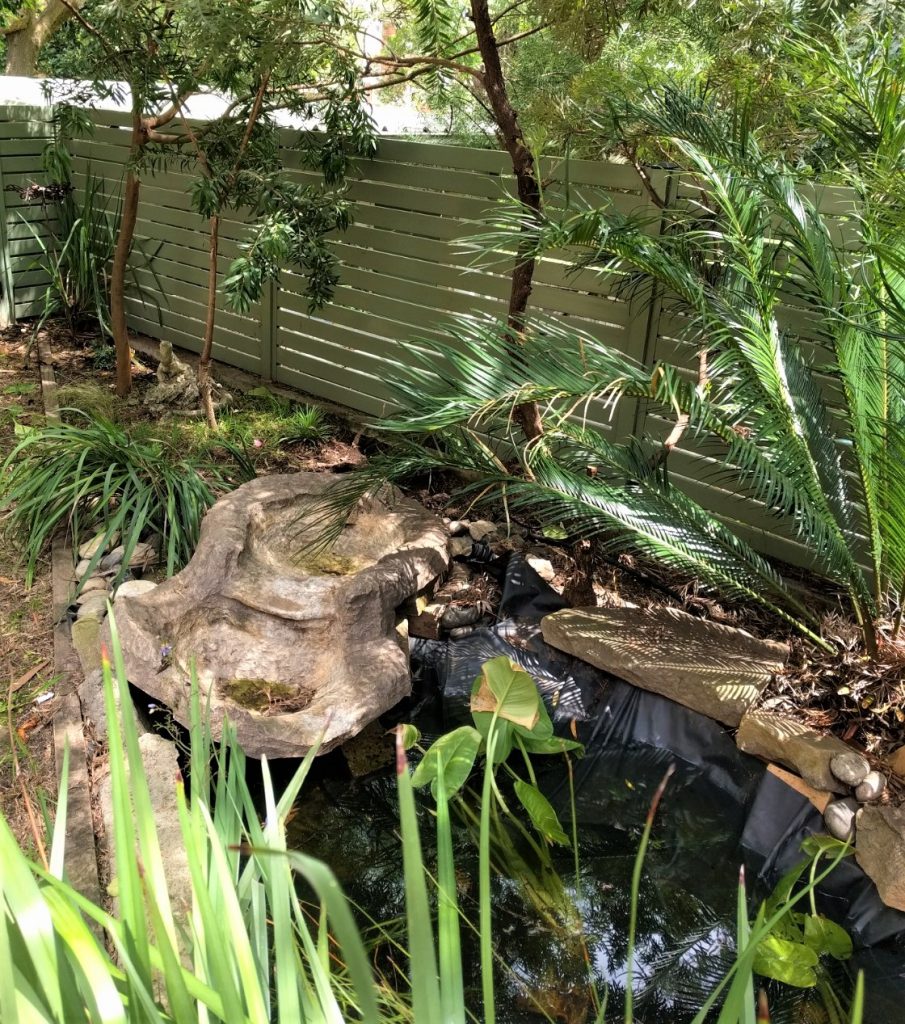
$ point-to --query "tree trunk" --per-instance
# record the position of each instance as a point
(529, 192)
(21, 53)
(120, 259)
(205, 384)
(29, 32)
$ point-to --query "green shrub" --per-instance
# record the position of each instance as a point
(88, 399)
(98, 476)
(78, 254)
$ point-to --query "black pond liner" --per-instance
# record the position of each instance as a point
(721, 809)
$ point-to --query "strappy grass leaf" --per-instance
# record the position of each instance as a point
(96, 476)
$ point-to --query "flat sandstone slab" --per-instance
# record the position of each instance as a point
(714, 669)
(773, 737)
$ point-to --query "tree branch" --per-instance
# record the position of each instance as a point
(87, 26)
(165, 116)
(319, 93)
(631, 153)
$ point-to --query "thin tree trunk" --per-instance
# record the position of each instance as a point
(205, 381)
(529, 192)
(205, 384)
(120, 259)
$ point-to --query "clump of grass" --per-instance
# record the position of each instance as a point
(261, 428)
(306, 424)
(86, 397)
(98, 476)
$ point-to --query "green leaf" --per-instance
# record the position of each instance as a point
(542, 728)
(550, 745)
(555, 532)
(541, 812)
(826, 846)
(825, 936)
(790, 962)
(422, 952)
(411, 736)
(451, 756)
(508, 690)
(452, 992)
(743, 993)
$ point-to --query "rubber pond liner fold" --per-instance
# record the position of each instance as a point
(613, 719)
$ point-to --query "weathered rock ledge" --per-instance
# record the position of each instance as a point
(714, 669)
(286, 639)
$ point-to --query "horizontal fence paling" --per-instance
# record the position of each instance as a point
(190, 340)
(192, 304)
(32, 148)
(28, 166)
(190, 320)
(27, 275)
(30, 294)
(24, 248)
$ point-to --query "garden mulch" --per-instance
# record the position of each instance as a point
(26, 624)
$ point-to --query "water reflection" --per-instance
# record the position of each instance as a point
(547, 945)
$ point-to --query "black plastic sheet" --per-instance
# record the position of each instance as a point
(769, 818)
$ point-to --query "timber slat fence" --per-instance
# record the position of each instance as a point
(24, 133)
(403, 270)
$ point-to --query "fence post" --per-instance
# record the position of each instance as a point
(644, 314)
(7, 299)
(268, 331)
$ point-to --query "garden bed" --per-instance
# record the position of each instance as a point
(470, 597)
(26, 626)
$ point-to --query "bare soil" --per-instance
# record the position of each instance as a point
(26, 627)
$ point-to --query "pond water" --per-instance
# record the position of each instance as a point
(545, 939)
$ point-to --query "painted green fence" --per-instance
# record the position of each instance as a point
(24, 132)
(403, 268)
(403, 272)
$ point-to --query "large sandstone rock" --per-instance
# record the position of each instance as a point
(287, 640)
(714, 669)
(880, 850)
(804, 750)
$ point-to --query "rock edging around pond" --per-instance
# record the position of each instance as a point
(711, 668)
(294, 642)
(721, 672)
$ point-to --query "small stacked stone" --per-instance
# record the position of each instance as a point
(94, 587)
(841, 815)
